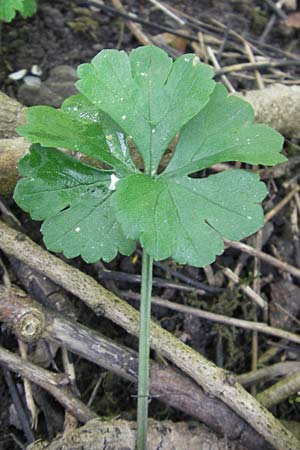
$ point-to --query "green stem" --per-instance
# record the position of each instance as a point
(144, 350)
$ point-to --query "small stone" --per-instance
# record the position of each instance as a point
(36, 70)
(19, 75)
(51, 92)
(32, 81)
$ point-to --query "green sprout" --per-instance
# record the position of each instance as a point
(146, 99)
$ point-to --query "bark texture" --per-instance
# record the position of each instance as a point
(12, 114)
(56, 384)
(11, 150)
(121, 435)
(277, 106)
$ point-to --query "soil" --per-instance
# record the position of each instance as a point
(63, 33)
(60, 33)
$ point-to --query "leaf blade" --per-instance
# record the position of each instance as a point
(143, 92)
(159, 213)
(149, 98)
(224, 131)
(80, 127)
(75, 201)
(9, 8)
(29, 8)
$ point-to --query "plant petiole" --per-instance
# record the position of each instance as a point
(144, 350)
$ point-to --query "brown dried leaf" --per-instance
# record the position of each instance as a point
(177, 42)
(293, 20)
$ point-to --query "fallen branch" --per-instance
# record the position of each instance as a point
(133, 27)
(44, 290)
(281, 265)
(277, 106)
(22, 413)
(213, 380)
(55, 384)
(11, 150)
(12, 114)
(246, 289)
(280, 391)
(269, 373)
(120, 434)
(30, 321)
(278, 207)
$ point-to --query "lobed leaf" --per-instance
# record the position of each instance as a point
(78, 126)
(29, 8)
(224, 131)
(186, 218)
(81, 110)
(147, 95)
(8, 9)
(75, 200)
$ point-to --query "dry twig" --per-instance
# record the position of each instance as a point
(246, 289)
(280, 391)
(281, 265)
(269, 373)
(278, 207)
(55, 384)
(219, 318)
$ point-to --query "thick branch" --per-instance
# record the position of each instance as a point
(120, 434)
(269, 373)
(12, 114)
(277, 106)
(11, 150)
(214, 380)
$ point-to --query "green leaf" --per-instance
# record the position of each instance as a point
(75, 200)
(82, 110)
(29, 8)
(224, 131)
(186, 218)
(147, 95)
(8, 9)
(78, 126)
